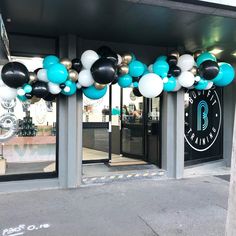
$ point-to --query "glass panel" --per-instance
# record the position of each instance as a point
(95, 128)
(33, 147)
(132, 124)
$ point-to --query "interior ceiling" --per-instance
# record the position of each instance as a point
(120, 21)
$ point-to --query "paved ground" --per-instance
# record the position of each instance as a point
(191, 207)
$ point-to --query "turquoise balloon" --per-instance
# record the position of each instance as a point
(161, 68)
(93, 93)
(204, 57)
(22, 98)
(49, 61)
(161, 58)
(27, 88)
(57, 73)
(201, 85)
(136, 68)
(133, 57)
(227, 74)
(135, 84)
(170, 85)
(125, 81)
(72, 86)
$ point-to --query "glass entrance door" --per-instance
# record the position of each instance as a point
(132, 125)
(96, 131)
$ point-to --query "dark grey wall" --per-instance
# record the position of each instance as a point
(25, 45)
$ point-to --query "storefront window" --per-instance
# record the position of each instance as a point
(32, 148)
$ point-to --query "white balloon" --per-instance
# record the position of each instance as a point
(67, 89)
(79, 86)
(20, 92)
(209, 85)
(185, 62)
(177, 86)
(85, 78)
(150, 68)
(150, 85)
(7, 93)
(88, 58)
(54, 88)
(197, 78)
(119, 59)
(186, 79)
(42, 75)
(165, 80)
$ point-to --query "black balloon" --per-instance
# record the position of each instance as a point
(40, 89)
(28, 95)
(136, 79)
(103, 71)
(50, 97)
(208, 70)
(106, 52)
(76, 64)
(15, 74)
(115, 81)
(62, 86)
(172, 60)
(175, 71)
(103, 50)
(37, 70)
(136, 92)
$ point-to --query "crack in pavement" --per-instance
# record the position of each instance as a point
(148, 225)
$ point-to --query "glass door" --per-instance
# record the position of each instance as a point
(96, 129)
(153, 131)
(132, 125)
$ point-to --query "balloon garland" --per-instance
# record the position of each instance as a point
(95, 70)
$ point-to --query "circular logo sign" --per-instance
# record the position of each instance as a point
(202, 118)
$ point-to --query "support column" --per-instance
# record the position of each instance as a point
(231, 216)
(70, 126)
(173, 134)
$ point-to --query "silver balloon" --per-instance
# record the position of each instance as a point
(32, 77)
(9, 123)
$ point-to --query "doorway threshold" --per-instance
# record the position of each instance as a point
(102, 173)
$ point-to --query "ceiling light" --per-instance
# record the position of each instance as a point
(216, 51)
(8, 20)
(234, 53)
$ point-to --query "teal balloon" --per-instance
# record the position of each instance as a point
(22, 98)
(136, 68)
(170, 85)
(57, 73)
(93, 93)
(161, 58)
(135, 84)
(204, 57)
(201, 85)
(72, 86)
(146, 72)
(133, 57)
(49, 61)
(125, 81)
(27, 88)
(226, 76)
(161, 68)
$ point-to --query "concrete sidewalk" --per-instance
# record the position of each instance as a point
(191, 207)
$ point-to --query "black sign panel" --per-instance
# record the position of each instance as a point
(203, 125)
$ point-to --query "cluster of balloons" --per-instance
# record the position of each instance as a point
(199, 71)
(95, 70)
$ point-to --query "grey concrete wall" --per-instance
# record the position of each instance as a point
(173, 134)
(229, 98)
